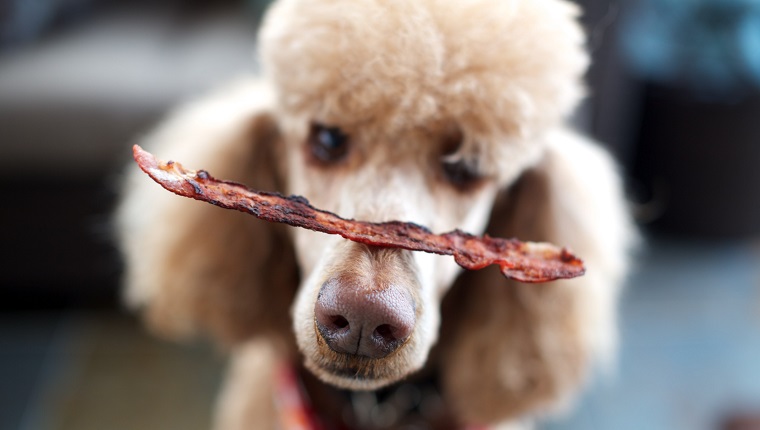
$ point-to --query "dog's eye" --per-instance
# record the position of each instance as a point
(459, 171)
(461, 174)
(327, 144)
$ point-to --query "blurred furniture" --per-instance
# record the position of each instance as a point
(697, 151)
(700, 161)
(70, 105)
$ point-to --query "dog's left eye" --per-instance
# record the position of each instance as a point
(459, 170)
(461, 174)
(327, 144)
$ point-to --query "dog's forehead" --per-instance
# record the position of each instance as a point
(497, 66)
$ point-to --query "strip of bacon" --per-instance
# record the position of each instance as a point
(521, 261)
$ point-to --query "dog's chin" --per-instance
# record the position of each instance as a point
(350, 378)
(353, 372)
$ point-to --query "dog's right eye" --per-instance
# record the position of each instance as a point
(327, 144)
(461, 174)
(459, 171)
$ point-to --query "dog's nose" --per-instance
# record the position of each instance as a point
(366, 323)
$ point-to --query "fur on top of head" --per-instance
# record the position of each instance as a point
(500, 69)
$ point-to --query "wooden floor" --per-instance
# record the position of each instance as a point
(690, 355)
(101, 371)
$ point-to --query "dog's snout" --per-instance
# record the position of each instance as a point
(355, 321)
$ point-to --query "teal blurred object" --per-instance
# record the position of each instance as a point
(710, 46)
(749, 34)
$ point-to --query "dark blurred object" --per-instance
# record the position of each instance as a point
(697, 153)
(56, 251)
(74, 98)
(700, 161)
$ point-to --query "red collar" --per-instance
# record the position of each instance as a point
(295, 411)
(293, 407)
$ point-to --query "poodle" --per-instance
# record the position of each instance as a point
(445, 113)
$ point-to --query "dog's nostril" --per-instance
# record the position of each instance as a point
(385, 331)
(339, 321)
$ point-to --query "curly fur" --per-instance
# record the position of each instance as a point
(399, 78)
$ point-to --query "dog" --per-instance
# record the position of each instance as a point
(449, 114)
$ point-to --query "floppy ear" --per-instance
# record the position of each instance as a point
(194, 267)
(519, 349)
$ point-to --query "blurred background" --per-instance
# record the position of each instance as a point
(674, 94)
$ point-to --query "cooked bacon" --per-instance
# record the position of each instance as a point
(521, 261)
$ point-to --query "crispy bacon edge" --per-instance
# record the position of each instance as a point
(530, 262)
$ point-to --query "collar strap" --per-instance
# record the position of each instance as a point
(293, 407)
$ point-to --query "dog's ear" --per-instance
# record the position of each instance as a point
(192, 267)
(518, 348)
